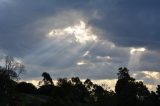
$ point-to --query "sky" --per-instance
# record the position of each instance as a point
(84, 38)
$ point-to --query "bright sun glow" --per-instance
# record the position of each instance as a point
(136, 50)
(79, 32)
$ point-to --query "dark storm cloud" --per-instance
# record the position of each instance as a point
(149, 60)
(130, 22)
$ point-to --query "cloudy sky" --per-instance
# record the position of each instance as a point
(85, 38)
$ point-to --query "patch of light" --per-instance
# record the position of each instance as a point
(81, 63)
(136, 50)
(18, 60)
(79, 32)
(110, 83)
(86, 53)
(34, 82)
(104, 58)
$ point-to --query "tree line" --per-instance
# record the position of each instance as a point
(73, 92)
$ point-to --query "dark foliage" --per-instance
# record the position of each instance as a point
(26, 88)
(45, 90)
(8, 94)
(74, 92)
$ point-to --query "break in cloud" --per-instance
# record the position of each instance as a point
(85, 38)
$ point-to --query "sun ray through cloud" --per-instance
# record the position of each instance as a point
(135, 56)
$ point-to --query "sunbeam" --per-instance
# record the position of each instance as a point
(135, 56)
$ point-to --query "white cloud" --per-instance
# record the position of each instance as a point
(105, 58)
(79, 33)
(136, 50)
(150, 78)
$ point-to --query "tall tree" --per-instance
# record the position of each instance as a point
(13, 68)
(125, 88)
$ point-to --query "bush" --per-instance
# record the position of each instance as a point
(26, 88)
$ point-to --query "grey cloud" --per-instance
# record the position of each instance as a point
(130, 23)
(151, 78)
(17, 23)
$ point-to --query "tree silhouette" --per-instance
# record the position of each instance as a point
(74, 92)
(123, 73)
(47, 80)
(158, 91)
(125, 88)
(46, 86)
(81, 91)
(13, 68)
(64, 87)
(7, 85)
(141, 91)
(88, 84)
